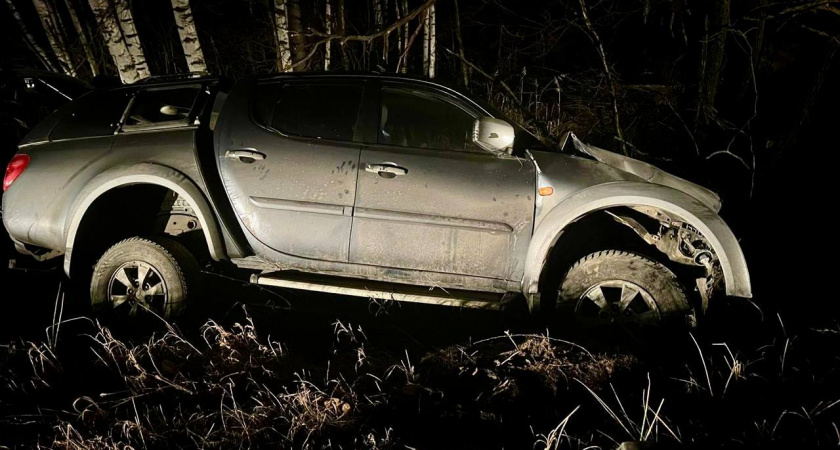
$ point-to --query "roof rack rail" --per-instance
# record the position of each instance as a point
(173, 77)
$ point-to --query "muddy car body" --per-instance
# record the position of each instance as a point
(367, 185)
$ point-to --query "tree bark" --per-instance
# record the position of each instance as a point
(297, 38)
(53, 31)
(377, 14)
(398, 15)
(30, 39)
(328, 27)
(405, 35)
(402, 62)
(429, 43)
(340, 28)
(61, 31)
(83, 38)
(281, 36)
(131, 38)
(108, 26)
(189, 36)
(465, 73)
(425, 42)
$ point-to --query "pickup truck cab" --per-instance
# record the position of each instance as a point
(359, 184)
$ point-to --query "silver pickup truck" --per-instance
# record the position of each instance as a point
(364, 185)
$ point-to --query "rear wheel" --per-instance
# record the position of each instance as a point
(141, 278)
(616, 288)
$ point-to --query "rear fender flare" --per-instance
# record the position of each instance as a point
(146, 173)
(630, 193)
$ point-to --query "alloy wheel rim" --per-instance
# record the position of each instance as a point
(137, 286)
(618, 301)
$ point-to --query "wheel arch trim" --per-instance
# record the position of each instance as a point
(630, 193)
(150, 174)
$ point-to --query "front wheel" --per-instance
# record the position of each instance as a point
(625, 289)
(144, 277)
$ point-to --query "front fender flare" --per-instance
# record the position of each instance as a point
(631, 193)
(146, 173)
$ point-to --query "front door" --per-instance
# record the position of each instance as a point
(289, 162)
(429, 200)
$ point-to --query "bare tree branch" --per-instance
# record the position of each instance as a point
(492, 78)
(457, 22)
(31, 42)
(607, 72)
(366, 38)
(796, 9)
(727, 152)
(401, 62)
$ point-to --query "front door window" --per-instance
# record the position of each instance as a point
(413, 118)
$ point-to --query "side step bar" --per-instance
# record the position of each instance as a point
(385, 291)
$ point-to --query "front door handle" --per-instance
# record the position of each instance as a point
(246, 155)
(386, 170)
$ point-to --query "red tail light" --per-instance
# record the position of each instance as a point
(16, 167)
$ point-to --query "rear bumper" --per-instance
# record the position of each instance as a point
(38, 253)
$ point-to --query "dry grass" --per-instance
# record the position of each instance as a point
(231, 387)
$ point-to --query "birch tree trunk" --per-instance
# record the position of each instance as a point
(30, 39)
(189, 37)
(281, 36)
(83, 38)
(342, 32)
(53, 31)
(132, 39)
(296, 33)
(60, 32)
(464, 71)
(377, 14)
(426, 42)
(327, 47)
(405, 34)
(432, 42)
(429, 42)
(398, 16)
(108, 26)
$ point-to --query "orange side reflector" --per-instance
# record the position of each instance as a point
(546, 191)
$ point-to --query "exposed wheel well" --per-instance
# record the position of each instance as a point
(134, 210)
(597, 231)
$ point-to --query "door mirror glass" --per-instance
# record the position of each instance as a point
(493, 135)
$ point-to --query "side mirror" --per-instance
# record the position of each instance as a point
(168, 110)
(493, 135)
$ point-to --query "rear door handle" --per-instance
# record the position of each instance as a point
(386, 170)
(246, 155)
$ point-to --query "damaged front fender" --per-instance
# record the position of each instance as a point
(639, 194)
(649, 173)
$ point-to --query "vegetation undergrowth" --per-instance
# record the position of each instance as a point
(228, 386)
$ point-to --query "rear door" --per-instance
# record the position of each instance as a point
(288, 156)
(428, 199)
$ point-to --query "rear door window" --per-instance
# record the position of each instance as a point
(315, 110)
(161, 107)
(94, 114)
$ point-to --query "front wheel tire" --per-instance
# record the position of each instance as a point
(144, 277)
(625, 289)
